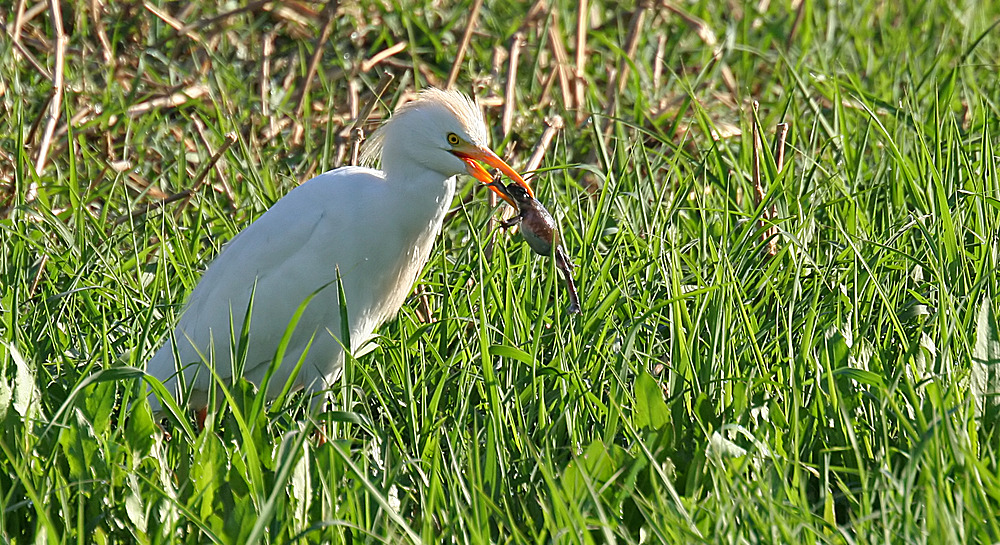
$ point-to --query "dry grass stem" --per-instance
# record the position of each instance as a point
(96, 7)
(328, 23)
(15, 33)
(38, 275)
(32, 60)
(562, 62)
(174, 23)
(545, 97)
(199, 180)
(470, 26)
(86, 113)
(506, 124)
(55, 105)
(700, 27)
(780, 138)
(353, 98)
(423, 310)
(781, 133)
(507, 120)
(659, 61)
(800, 12)
(367, 65)
(265, 77)
(554, 124)
(582, 24)
(617, 85)
(230, 139)
(192, 92)
(357, 130)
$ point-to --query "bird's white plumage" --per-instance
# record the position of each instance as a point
(377, 226)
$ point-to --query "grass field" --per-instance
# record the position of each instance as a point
(817, 363)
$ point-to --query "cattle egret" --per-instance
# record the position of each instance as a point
(375, 226)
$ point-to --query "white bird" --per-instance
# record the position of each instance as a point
(376, 226)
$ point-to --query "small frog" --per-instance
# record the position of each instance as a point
(539, 230)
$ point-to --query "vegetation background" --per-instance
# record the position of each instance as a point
(813, 361)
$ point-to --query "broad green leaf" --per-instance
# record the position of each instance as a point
(837, 349)
(79, 446)
(301, 489)
(511, 352)
(650, 409)
(98, 401)
(207, 472)
(134, 504)
(720, 447)
(986, 366)
(6, 396)
(860, 375)
(26, 395)
(140, 428)
(596, 466)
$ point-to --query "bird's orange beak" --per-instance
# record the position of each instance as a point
(473, 155)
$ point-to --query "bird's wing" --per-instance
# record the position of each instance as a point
(289, 253)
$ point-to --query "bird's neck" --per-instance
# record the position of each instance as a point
(413, 177)
(427, 193)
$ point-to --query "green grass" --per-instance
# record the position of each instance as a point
(840, 391)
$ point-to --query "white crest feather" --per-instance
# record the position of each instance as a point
(465, 109)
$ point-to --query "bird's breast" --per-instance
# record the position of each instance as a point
(397, 255)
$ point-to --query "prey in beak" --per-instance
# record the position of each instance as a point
(539, 230)
(473, 155)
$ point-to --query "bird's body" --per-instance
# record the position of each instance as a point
(376, 227)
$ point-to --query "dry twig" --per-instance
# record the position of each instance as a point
(562, 61)
(252, 6)
(507, 121)
(357, 133)
(699, 26)
(617, 85)
(800, 11)
(331, 11)
(102, 35)
(199, 180)
(55, 106)
(367, 65)
(464, 44)
(770, 231)
(192, 92)
(230, 139)
(554, 125)
(582, 24)
(175, 23)
(265, 78)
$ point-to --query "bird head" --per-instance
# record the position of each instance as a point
(444, 132)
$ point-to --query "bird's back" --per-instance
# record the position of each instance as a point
(337, 220)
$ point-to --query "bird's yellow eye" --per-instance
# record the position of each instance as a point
(453, 139)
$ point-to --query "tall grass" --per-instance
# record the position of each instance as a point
(842, 390)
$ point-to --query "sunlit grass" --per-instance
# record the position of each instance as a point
(840, 391)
